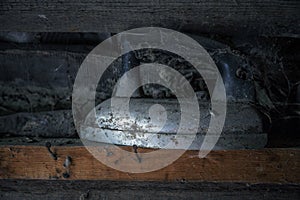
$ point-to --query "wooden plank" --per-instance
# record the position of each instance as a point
(252, 166)
(69, 190)
(268, 17)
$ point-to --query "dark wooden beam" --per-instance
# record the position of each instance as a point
(116, 190)
(268, 17)
(252, 166)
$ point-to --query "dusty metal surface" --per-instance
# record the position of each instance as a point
(270, 65)
(243, 126)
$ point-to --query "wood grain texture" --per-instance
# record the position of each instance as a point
(266, 17)
(124, 190)
(252, 166)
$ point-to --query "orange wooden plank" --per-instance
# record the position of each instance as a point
(253, 166)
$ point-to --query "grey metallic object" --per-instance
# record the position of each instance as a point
(234, 68)
(243, 127)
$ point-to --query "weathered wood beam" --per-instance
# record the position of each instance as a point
(252, 166)
(230, 17)
(124, 190)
